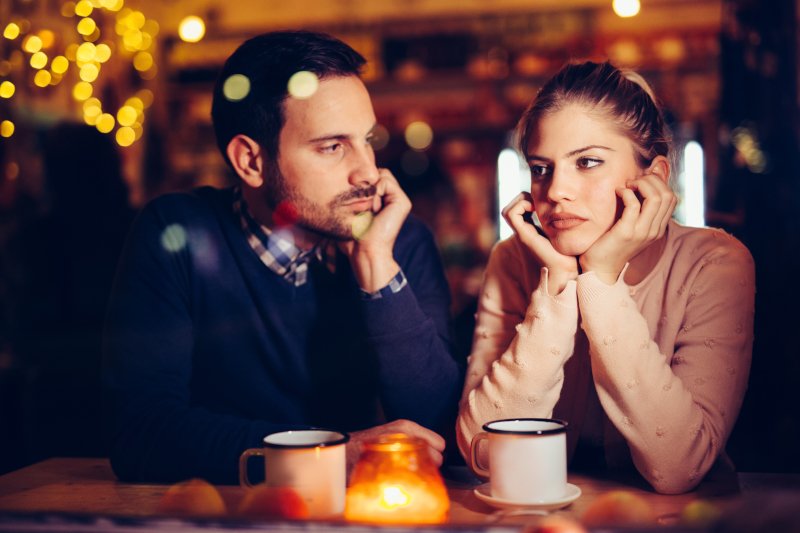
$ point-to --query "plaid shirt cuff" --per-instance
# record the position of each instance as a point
(395, 285)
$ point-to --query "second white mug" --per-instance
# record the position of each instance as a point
(527, 459)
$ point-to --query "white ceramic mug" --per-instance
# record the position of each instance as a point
(527, 459)
(310, 461)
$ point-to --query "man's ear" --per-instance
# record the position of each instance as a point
(247, 158)
(660, 167)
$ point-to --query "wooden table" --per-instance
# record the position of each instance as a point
(88, 486)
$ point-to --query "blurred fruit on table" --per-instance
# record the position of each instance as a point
(273, 502)
(619, 507)
(194, 497)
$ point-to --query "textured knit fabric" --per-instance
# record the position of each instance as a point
(208, 350)
(668, 358)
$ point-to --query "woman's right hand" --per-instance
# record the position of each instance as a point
(561, 268)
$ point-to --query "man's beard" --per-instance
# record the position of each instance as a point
(290, 207)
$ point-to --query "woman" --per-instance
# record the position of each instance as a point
(657, 370)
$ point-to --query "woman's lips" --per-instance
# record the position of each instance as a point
(564, 221)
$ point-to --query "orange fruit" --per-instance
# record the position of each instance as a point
(700, 513)
(195, 497)
(273, 502)
(619, 507)
(556, 524)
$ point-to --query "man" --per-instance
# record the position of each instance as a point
(305, 296)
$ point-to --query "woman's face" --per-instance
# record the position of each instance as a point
(578, 158)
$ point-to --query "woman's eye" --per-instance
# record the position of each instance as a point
(539, 171)
(589, 162)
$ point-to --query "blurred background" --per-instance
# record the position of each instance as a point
(105, 104)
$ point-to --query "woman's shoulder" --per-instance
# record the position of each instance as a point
(706, 245)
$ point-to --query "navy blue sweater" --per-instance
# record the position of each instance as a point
(207, 350)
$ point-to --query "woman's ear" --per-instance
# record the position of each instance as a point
(247, 159)
(660, 167)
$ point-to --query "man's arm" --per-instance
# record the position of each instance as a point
(157, 434)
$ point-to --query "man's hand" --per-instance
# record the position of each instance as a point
(641, 224)
(561, 268)
(434, 440)
(371, 253)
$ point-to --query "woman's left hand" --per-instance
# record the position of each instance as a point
(640, 224)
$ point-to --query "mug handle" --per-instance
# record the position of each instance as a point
(473, 454)
(246, 455)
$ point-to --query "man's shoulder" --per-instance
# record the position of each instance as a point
(194, 203)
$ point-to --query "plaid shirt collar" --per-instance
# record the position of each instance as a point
(277, 249)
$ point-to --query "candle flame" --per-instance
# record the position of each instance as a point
(393, 497)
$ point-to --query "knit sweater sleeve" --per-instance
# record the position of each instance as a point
(410, 333)
(522, 340)
(677, 414)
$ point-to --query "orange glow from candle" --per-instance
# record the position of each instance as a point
(395, 482)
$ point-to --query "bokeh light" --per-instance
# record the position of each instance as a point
(82, 91)
(105, 123)
(39, 60)
(626, 8)
(173, 238)
(6, 128)
(236, 87)
(419, 135)
(59, 65)
(7, 89)
(126, 116)
(303, 84)
(89, 72)
(83, 8)
(48, 38)
(380, 137)
(11, 31)
(191, 29)
(143, 61)
(32, 44)
(102, 53)
(86, 52)
(42, 78)
(86, 26)
(125, 136)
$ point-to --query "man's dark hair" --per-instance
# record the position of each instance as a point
(268, 61)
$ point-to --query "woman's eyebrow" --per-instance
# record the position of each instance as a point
(585, 148)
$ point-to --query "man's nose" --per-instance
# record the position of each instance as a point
(363, 171)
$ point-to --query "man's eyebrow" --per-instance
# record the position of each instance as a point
(339, 136)
(530, 157)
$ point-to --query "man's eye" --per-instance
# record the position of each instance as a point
(589, 162)
(331, 148)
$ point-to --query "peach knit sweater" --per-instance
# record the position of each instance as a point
(669, 357)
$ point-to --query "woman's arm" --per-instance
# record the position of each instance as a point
(675, 414)
(521, 343)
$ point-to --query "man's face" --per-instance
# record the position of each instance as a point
(326, 171)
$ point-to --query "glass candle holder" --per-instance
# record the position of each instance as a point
(396, 482)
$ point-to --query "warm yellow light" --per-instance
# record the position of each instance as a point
(125, 136)
(236, 87)
(86, 52)
(93, 36)
(39, 60)
(82, 91)
(47, 37)
(89, 72)
(191, 29)
(419, 135)
(32, 44)
(132, 39)
(107, 3)
(42, 78)
(151, 27)
(67, 9)
(146, 96)
(87, 26)
(55, 78)
(11, 31)
(147, 41)
(303, 84)
(395, 482)
(105, 123)
(6, 128)
(116, 5)
(83, 8)
(102, 53)
(626, 8)
(71, 51)
(136, 19)
(138, 130)
(142, 61)
(59, 65)
(135, 103)
(127, 115)
(7, 89)
(92, 103)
